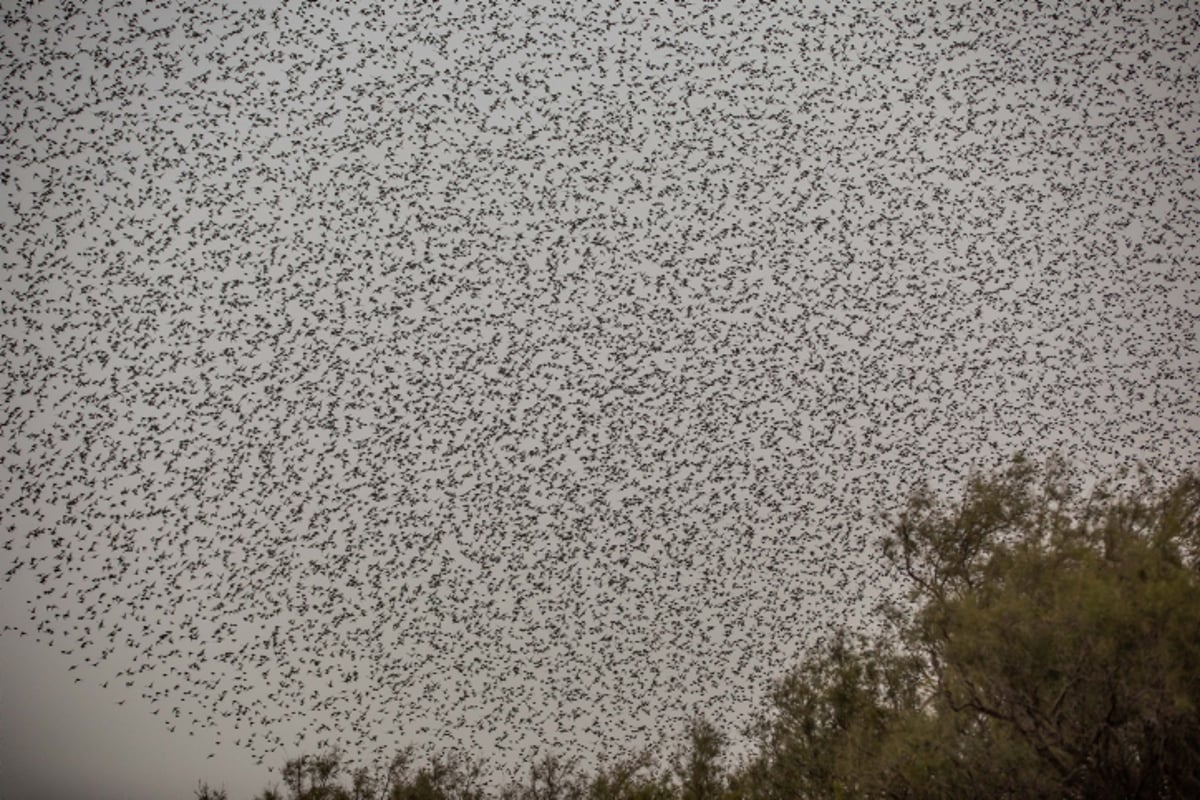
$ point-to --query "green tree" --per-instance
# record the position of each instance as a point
(554, 777)
(395, 773)
(1062, 630)
(828, 720)
(1051, 648)
(630, 778)
(453, 776)
(362, 784)
(699, 767)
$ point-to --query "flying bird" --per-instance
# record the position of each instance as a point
(495, 376)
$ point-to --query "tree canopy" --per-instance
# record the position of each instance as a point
(1049, 647)
(1052, 649)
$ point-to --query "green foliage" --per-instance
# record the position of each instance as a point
(554, 777)
(829, 717)
(450, 777)
(362, 784)
(1081, 643)
(699, 769)
(1050, 648)
(632, 778)
(1063, 631)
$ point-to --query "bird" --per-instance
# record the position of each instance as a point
(492, 375)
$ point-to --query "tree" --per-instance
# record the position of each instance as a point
(1049, 646)
(698, 768)
(553, 777)
(322, 770)
(396, 772)
(294, 772)
(829, 716)
(1063, 629)
(453, 776)
(1051, 649)
(362, 784)
(630, 778)
(204, 792)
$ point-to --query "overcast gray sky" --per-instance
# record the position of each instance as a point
(521, 373)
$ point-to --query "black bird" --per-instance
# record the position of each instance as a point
(492, 371)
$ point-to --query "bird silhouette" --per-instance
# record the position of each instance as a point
(491, 374)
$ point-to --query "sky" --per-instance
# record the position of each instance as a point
(491, 376)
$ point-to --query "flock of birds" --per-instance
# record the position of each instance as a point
(514, 375)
